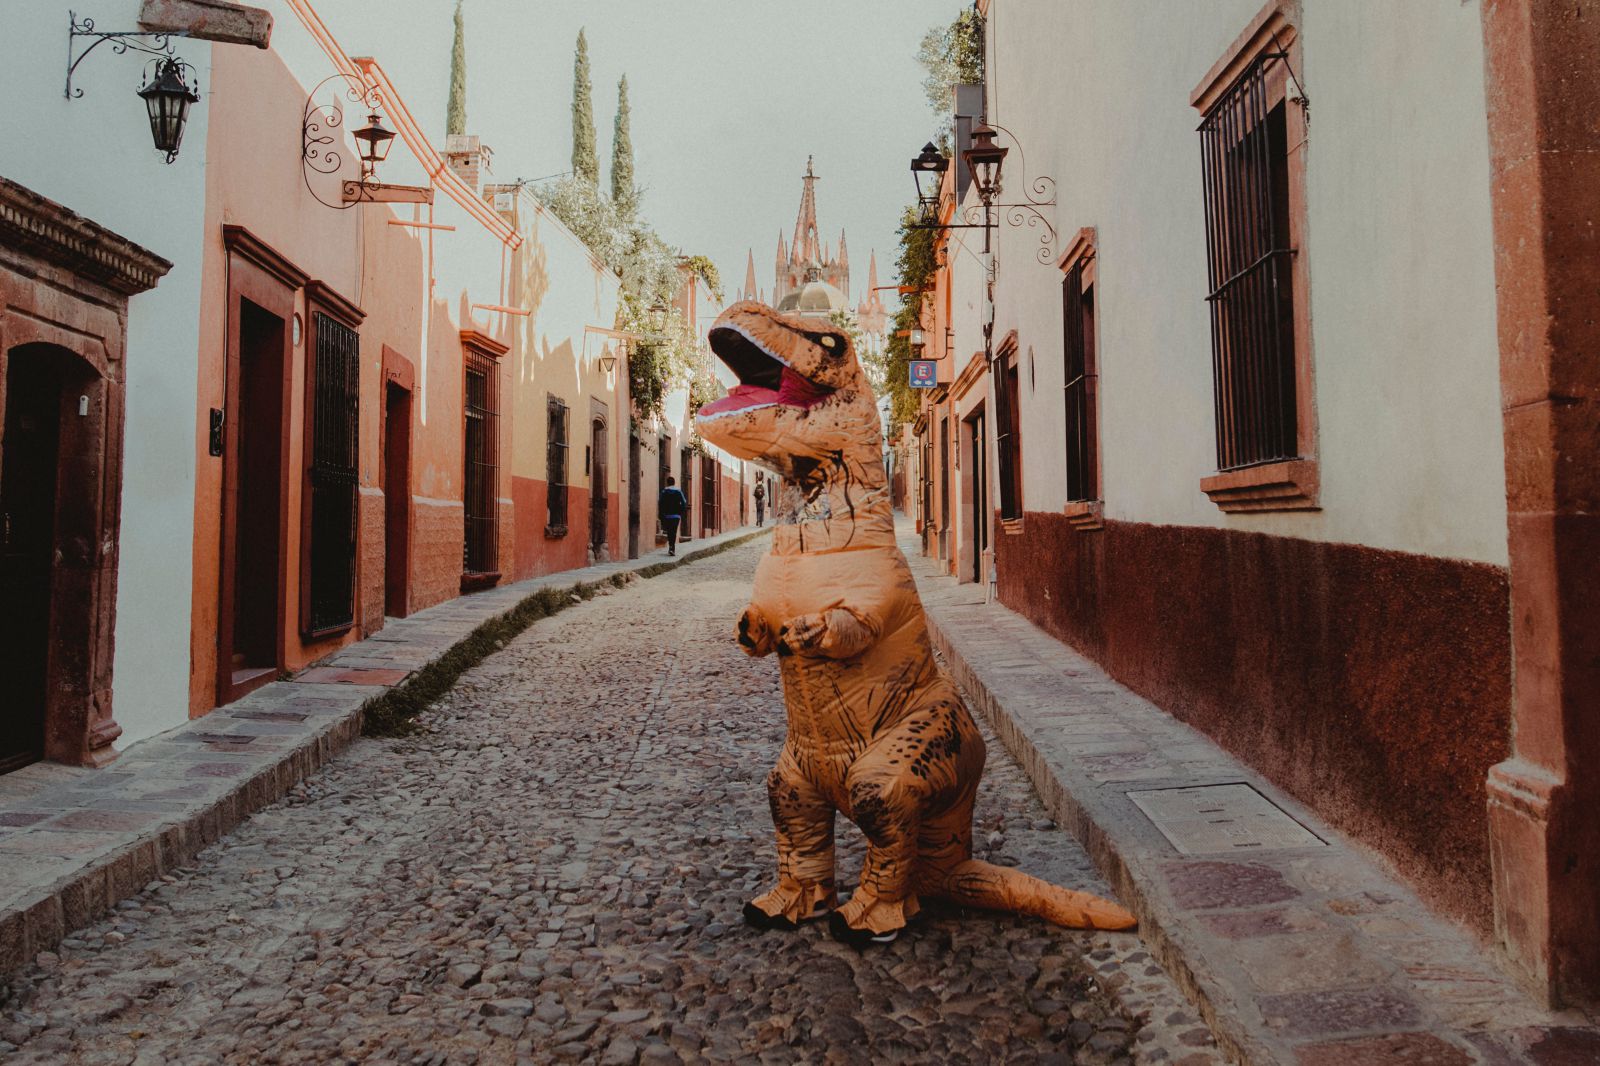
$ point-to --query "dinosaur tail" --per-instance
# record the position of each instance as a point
(975, 883)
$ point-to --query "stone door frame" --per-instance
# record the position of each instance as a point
(65, 282)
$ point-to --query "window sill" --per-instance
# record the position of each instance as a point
(327, 632)
(472, 581)
(554, 532)
(1086, 515)
(1291, 485)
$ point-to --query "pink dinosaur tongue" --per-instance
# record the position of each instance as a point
(796, 391)
(793, 391)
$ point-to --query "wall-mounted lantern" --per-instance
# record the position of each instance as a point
(167, 98)
(607, 361)
(927, 170)
(170, 86)
(985, 160)
(374, 143)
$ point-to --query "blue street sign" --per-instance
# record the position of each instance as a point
(924, 374)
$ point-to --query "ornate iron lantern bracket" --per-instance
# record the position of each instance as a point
(159, 46)
(321, 125)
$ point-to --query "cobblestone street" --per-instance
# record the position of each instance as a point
(552, 869)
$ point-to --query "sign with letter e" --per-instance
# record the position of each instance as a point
(924, 374)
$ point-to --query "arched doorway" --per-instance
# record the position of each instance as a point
(50, 459)
(64, 288)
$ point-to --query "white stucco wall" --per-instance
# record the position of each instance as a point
(1399, 247)
(94, 155)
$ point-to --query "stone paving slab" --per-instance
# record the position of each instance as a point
(1309, 955)
(75, 841)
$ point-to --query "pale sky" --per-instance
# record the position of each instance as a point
(728, 98)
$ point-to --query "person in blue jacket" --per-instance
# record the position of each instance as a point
(673, 507)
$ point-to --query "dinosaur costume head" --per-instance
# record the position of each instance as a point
(802, 395)
(803, 409)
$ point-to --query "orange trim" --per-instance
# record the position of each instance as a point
(483, 343)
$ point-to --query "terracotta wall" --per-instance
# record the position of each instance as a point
(1372, 685)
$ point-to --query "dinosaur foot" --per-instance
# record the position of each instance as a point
(866, 920)
(790, 904)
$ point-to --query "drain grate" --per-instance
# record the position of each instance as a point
(1219, 819)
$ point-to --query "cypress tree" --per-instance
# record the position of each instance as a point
(456, 114)
(624, 193)
(585, 160)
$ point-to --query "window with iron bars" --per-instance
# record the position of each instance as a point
(331, 475)
(556, 469)
(482, 463)
(1245, 168)
(1078, 355)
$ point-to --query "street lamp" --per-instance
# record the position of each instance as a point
(374, 142)
(167, 98)
(607, 361)
(916, 341)
(927, 169)
(984, 161)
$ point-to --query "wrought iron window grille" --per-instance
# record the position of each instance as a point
(333, 477)
(481, 463)
(1245, 159)
(556, 469)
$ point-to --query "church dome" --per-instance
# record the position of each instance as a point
(814, 298)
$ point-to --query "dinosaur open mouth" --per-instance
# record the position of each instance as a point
(764, 379)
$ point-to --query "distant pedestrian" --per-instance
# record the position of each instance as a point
(761, 503)
(672, 506)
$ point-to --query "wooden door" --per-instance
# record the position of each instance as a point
(29, 452)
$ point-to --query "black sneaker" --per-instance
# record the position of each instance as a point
(840, 930)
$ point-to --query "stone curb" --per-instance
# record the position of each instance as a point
(192, 785)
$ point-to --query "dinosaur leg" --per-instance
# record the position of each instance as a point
(803, 818)
(909, 773)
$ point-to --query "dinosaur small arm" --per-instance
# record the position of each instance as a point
(875, 730)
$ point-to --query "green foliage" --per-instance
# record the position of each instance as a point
(916, 264)
(456, 113)
(624, 192)
(707, 272)
(952, 55)
(664, 359)
(585, 160)
(703, 386)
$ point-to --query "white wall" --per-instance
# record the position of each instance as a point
(1398, 238)
(94, 155)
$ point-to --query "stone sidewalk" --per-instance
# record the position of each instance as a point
(1308, 953)
(74, 841)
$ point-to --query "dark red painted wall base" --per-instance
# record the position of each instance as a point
(1374, 686)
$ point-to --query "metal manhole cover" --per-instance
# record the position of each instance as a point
(1217, 819)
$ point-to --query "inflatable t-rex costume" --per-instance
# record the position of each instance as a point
(876, 731)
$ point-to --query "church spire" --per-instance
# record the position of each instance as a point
(805, 248)
(749, 292)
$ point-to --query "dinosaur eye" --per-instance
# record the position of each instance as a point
(828, 342)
